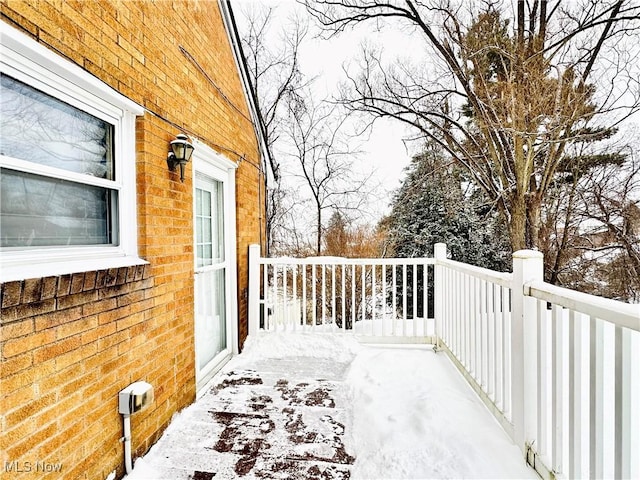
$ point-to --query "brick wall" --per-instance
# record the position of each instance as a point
(70, 343)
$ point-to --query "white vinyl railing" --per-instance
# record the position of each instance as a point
(474, 327)
(560, 370)
(376, 299)
(584, 382)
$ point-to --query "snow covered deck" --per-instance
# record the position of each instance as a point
(324, 406)
(558, 369)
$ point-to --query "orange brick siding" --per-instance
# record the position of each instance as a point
(70, 343)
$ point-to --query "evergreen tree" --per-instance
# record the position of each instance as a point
(436, 203)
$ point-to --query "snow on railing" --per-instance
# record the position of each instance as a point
(378, 299)
(560, 370)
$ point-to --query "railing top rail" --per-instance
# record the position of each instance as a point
(345, 261)
(619, 313)
(499, 278)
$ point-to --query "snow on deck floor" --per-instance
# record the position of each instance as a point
(304, 406)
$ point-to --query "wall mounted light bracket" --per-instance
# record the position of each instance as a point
(180, 154)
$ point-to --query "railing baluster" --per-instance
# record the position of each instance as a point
(454, 313)
(596, 416)
(542, 377)
(373, 299)
(486, 299)
(491, 340)
(296, 301)
(384, 298)
(466, 321)
(404, 298)
(446, 302)
(461, 317)
(285, 303)
(557, 395)
(343, 281)
(622, 416)
(414, 303)
(451, 313)
(363, 287)
(446, 307)
(425, 300)
(455, 304)
(324, 294)
(506, 351)
(314, 297)
(333, 294)
(575, 434)
(265, 296)
(274, 280)
(481, 331)
(353, 296)
(394, 305)
(469, 318)
(478, 339)
(499, 348)
(463, 320)
(473, 329)
(634, 399)
(459, 313)
(304, 296)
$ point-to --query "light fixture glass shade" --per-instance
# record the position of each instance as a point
(181, 148)
(188, 150)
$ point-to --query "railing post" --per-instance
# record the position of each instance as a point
(439, 253)
(528, 266)
(254, 289)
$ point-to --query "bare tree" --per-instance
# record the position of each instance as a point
(323, 154)
(504, 91)
(610, 202)
(274, 70)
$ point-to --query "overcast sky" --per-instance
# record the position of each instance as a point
(384, 149)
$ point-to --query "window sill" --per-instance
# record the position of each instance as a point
(11, 273)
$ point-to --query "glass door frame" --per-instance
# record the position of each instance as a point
(211, 164)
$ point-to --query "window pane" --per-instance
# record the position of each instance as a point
(211, 325)
(43, 130)
(206, 203)
(209, 221)
(41, 211)
(218, 222)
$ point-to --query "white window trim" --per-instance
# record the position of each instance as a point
(208, 162)
(29, 62)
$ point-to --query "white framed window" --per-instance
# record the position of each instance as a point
(67, 166)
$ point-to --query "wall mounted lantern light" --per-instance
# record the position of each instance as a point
(180, 154)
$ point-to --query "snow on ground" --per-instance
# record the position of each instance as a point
(415, 417)
(406, 411)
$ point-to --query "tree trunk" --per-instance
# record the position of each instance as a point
(533, 222)
(319, 232)
(518, 223)
(564, 241)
